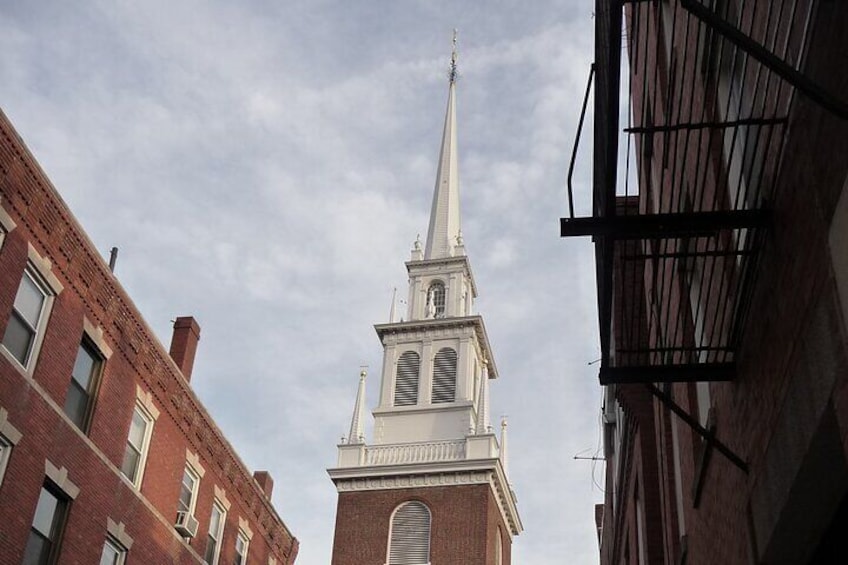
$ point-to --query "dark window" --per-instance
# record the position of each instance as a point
(42, 547)
(79, 400)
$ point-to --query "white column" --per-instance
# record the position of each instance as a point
(357, 434)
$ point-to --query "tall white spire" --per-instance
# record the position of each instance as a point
(357, 435)
(444, 215)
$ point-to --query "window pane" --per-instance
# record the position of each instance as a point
(84, 367)
(129, 467)
(76, 404)
(211, 544)
(18, 338)
(37, 550)
(29, 300)
(137, 429)
(186, 491)
(45, 512)
(111, 554)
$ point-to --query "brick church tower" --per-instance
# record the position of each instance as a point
(432, 487)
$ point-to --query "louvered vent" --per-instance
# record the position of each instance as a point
(406, 383)
(410, 541)
(444, 376)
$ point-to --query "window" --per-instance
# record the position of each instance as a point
(444, 376)
(138, 439)
(42, 546)
(113, 553)
(188, 491)
(216, 532)
(78, 402)
(409, 535)
(406, 382)
(242, 545)
(5, 453)
(436, 300)
(26, 320)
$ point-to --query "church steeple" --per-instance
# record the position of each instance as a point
(433, 451)
(444, 227)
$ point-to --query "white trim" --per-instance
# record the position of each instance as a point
(245, 539)
(221, 496)
(145, 444)
(117, 547)
(145, 400)
(36, 276)
(195, 487)
(95, 336)
(117, 531)
(7, 224)
(219, 538)
(193, 460)
(5, 454)
(244, 526)
(59, 477)
(44, 267)
(7, 430)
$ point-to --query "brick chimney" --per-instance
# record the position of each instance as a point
(264, 480)
(184, 344)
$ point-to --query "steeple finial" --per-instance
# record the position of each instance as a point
(454, 57)
(504, 460)
(444, 215)
(357, 436)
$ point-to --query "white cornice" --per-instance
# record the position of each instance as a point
(428, 265)
(425, 475)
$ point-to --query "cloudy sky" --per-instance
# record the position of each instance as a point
(265, 167)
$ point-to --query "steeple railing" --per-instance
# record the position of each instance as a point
(429, 452)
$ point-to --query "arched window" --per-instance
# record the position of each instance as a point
(436, 299)
(409, 534)
(444, 376)
(406, 380)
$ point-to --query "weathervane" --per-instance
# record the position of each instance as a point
(453, 72)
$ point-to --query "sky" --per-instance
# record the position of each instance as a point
(265, 166)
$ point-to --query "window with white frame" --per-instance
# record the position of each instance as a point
(138, 440)
(436, 300)
(242, 546)
(409, 534)
(499, 548)
(28, 317)
(79, 400)
(113, 553)
(5, 453)
(188, 491)
(216, 533)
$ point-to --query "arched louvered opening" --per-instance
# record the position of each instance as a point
(409, 537)
(406, 380)
(436, 300)
(444, 376)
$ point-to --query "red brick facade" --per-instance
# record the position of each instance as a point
(93, 306)
(464, 525)
(670, 497)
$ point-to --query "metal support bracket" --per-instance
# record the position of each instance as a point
(708, 435)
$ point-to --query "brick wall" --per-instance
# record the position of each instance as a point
(34, 403)
(464, 522)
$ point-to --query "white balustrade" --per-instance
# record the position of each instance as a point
(415, 453)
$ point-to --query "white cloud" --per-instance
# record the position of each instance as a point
(266, 166)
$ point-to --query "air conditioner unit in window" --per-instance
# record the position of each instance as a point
(186, 524)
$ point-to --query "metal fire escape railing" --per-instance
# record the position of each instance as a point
(711, 86)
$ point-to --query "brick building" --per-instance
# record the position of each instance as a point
(432, 487)
(106, 454)
(720, 225)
